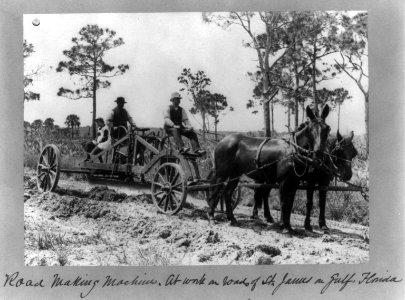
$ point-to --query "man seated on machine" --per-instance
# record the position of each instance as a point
(119, 119)
(101, 143)
(177, 124)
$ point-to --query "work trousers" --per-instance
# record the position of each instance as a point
(190, 134)
(89, 147)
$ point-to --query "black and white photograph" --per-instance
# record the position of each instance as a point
(196, 138)
(202, 149)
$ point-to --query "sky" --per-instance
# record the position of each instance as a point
(157, 48)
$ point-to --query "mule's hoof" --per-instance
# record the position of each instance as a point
(287, 230)
(211, 220)
(270, 220)
(234, 223)
(255, 217)
(308, 227)
(324, 228)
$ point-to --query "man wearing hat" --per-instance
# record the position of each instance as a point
(119, 117)
(177, 124)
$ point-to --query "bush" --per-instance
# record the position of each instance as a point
(300, 203)
(70, 149)
(357, 211)
(31, 159)
(337, 203)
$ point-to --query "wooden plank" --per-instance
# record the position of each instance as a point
(276, 186)
(74, 171)
(305, 187)
(198, 187)
(146, 144)
(104, 167)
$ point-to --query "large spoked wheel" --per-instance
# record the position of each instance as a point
(48, 169)
(236, 195)
(169, 188)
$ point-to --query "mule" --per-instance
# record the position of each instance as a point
(341, 154)
(268, 161)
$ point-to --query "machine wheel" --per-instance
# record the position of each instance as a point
(236, 195)
(48, 169)
(169, 188)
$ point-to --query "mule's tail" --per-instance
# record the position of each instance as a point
(211, 178)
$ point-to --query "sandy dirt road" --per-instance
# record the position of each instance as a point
(87, 224)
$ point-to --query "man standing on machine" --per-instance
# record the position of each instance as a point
(119, 119)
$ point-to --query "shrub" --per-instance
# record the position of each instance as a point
(30, 159)
(300, 203)
(337, 204)
(357, 211)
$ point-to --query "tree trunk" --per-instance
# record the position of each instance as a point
(297, 82)
(216, 119)
(204, 129)
(296, 109)
(216, 133)
(94, 99)
(366, 119)
(314, 78)
(266, 109)
(272, 119)
(288, 118)
(266, 115)
(338, 116)
(303, 112)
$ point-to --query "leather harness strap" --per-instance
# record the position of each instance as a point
(259, 150)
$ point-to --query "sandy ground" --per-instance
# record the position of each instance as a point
(86, 224)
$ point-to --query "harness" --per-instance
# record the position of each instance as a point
(333, 157)
(296, 155)
(337, 146)
(259, 150)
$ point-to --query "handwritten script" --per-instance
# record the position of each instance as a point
(275, 282)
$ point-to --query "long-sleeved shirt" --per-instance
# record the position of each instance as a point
(120, 117)
(168, 117)
(103, 139)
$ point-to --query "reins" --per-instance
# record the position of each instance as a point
(299, 154)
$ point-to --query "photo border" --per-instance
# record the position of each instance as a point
(386, 125)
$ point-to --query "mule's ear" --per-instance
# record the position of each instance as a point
(351, 135)
(339, 136)
(310, 113)
(325, 112)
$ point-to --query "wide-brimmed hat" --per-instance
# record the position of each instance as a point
(174, 96)
(120, 100)
(99, 120)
